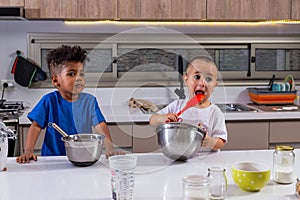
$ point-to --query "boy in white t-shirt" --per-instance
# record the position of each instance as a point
(200, 77)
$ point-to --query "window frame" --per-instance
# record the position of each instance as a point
(38, 41)
(279, 74)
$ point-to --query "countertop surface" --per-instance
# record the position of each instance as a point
(156, 177)
(123, 113)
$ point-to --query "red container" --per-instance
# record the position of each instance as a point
(265, 96)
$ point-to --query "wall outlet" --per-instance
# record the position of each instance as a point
(10, 84)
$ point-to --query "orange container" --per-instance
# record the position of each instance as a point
(265, 96)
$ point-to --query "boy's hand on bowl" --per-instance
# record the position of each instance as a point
(170, 117)
(214, 143)
(207, 141)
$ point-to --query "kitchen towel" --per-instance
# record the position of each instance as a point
(25, 72)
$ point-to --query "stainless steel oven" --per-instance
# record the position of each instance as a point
(10, 112)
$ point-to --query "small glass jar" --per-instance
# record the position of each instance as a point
(195, 187)
(217, 183)
(283, 164)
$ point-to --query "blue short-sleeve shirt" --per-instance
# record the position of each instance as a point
(72, 117)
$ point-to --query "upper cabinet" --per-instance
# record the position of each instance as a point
(12, 3)
(161, 9)
(249, 9)
(70, 9)
(296, 9)
(221, 10)
(97, 9)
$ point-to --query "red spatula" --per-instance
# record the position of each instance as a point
(191, 103)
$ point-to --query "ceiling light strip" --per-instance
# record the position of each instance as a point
(115, 22)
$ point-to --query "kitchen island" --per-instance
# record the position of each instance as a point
(157, 177)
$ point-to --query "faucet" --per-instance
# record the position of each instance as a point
(180, 91)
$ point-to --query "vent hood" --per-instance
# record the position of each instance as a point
(12, 13)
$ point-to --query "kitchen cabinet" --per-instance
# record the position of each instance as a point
(121, 135)
(248, 9)
(285, 132)
(96, 9)
(23, 136)
(262, 134)
(138, 138)
(247, 135)
(32, 9)
(161, 9)
(295, 9)
(242, 135)
(70, 9)
(144, 138)
(12, 3)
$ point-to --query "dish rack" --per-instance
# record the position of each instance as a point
(265, 96)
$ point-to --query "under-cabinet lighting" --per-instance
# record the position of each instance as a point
(120, 22)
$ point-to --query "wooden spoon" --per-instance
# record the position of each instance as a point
(191, 103)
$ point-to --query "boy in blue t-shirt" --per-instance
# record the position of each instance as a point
(71, 109)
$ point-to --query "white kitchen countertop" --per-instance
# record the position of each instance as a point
(123, 113)
(156, 178)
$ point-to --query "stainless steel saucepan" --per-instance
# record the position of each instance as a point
(82, 149)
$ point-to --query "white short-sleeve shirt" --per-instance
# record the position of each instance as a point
(211, 118)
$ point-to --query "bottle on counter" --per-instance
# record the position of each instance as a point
(283, 164)
(217, 183)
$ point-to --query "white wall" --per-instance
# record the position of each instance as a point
(13, 36)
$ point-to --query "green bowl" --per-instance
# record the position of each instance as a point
(249, 176)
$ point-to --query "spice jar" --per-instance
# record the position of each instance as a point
(217, 183)
(283, 164)
(298, 188)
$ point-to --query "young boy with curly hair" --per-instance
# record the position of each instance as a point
(69, 107)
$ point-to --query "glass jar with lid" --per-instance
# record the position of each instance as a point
(195, 187)
(283, 164)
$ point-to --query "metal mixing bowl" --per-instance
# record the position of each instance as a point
(179, 141)
(84, 149)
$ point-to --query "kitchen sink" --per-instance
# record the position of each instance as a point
(235, 107)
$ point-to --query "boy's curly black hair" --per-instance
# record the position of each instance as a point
(58, 57)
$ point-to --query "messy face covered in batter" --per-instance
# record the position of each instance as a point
(201, 78)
